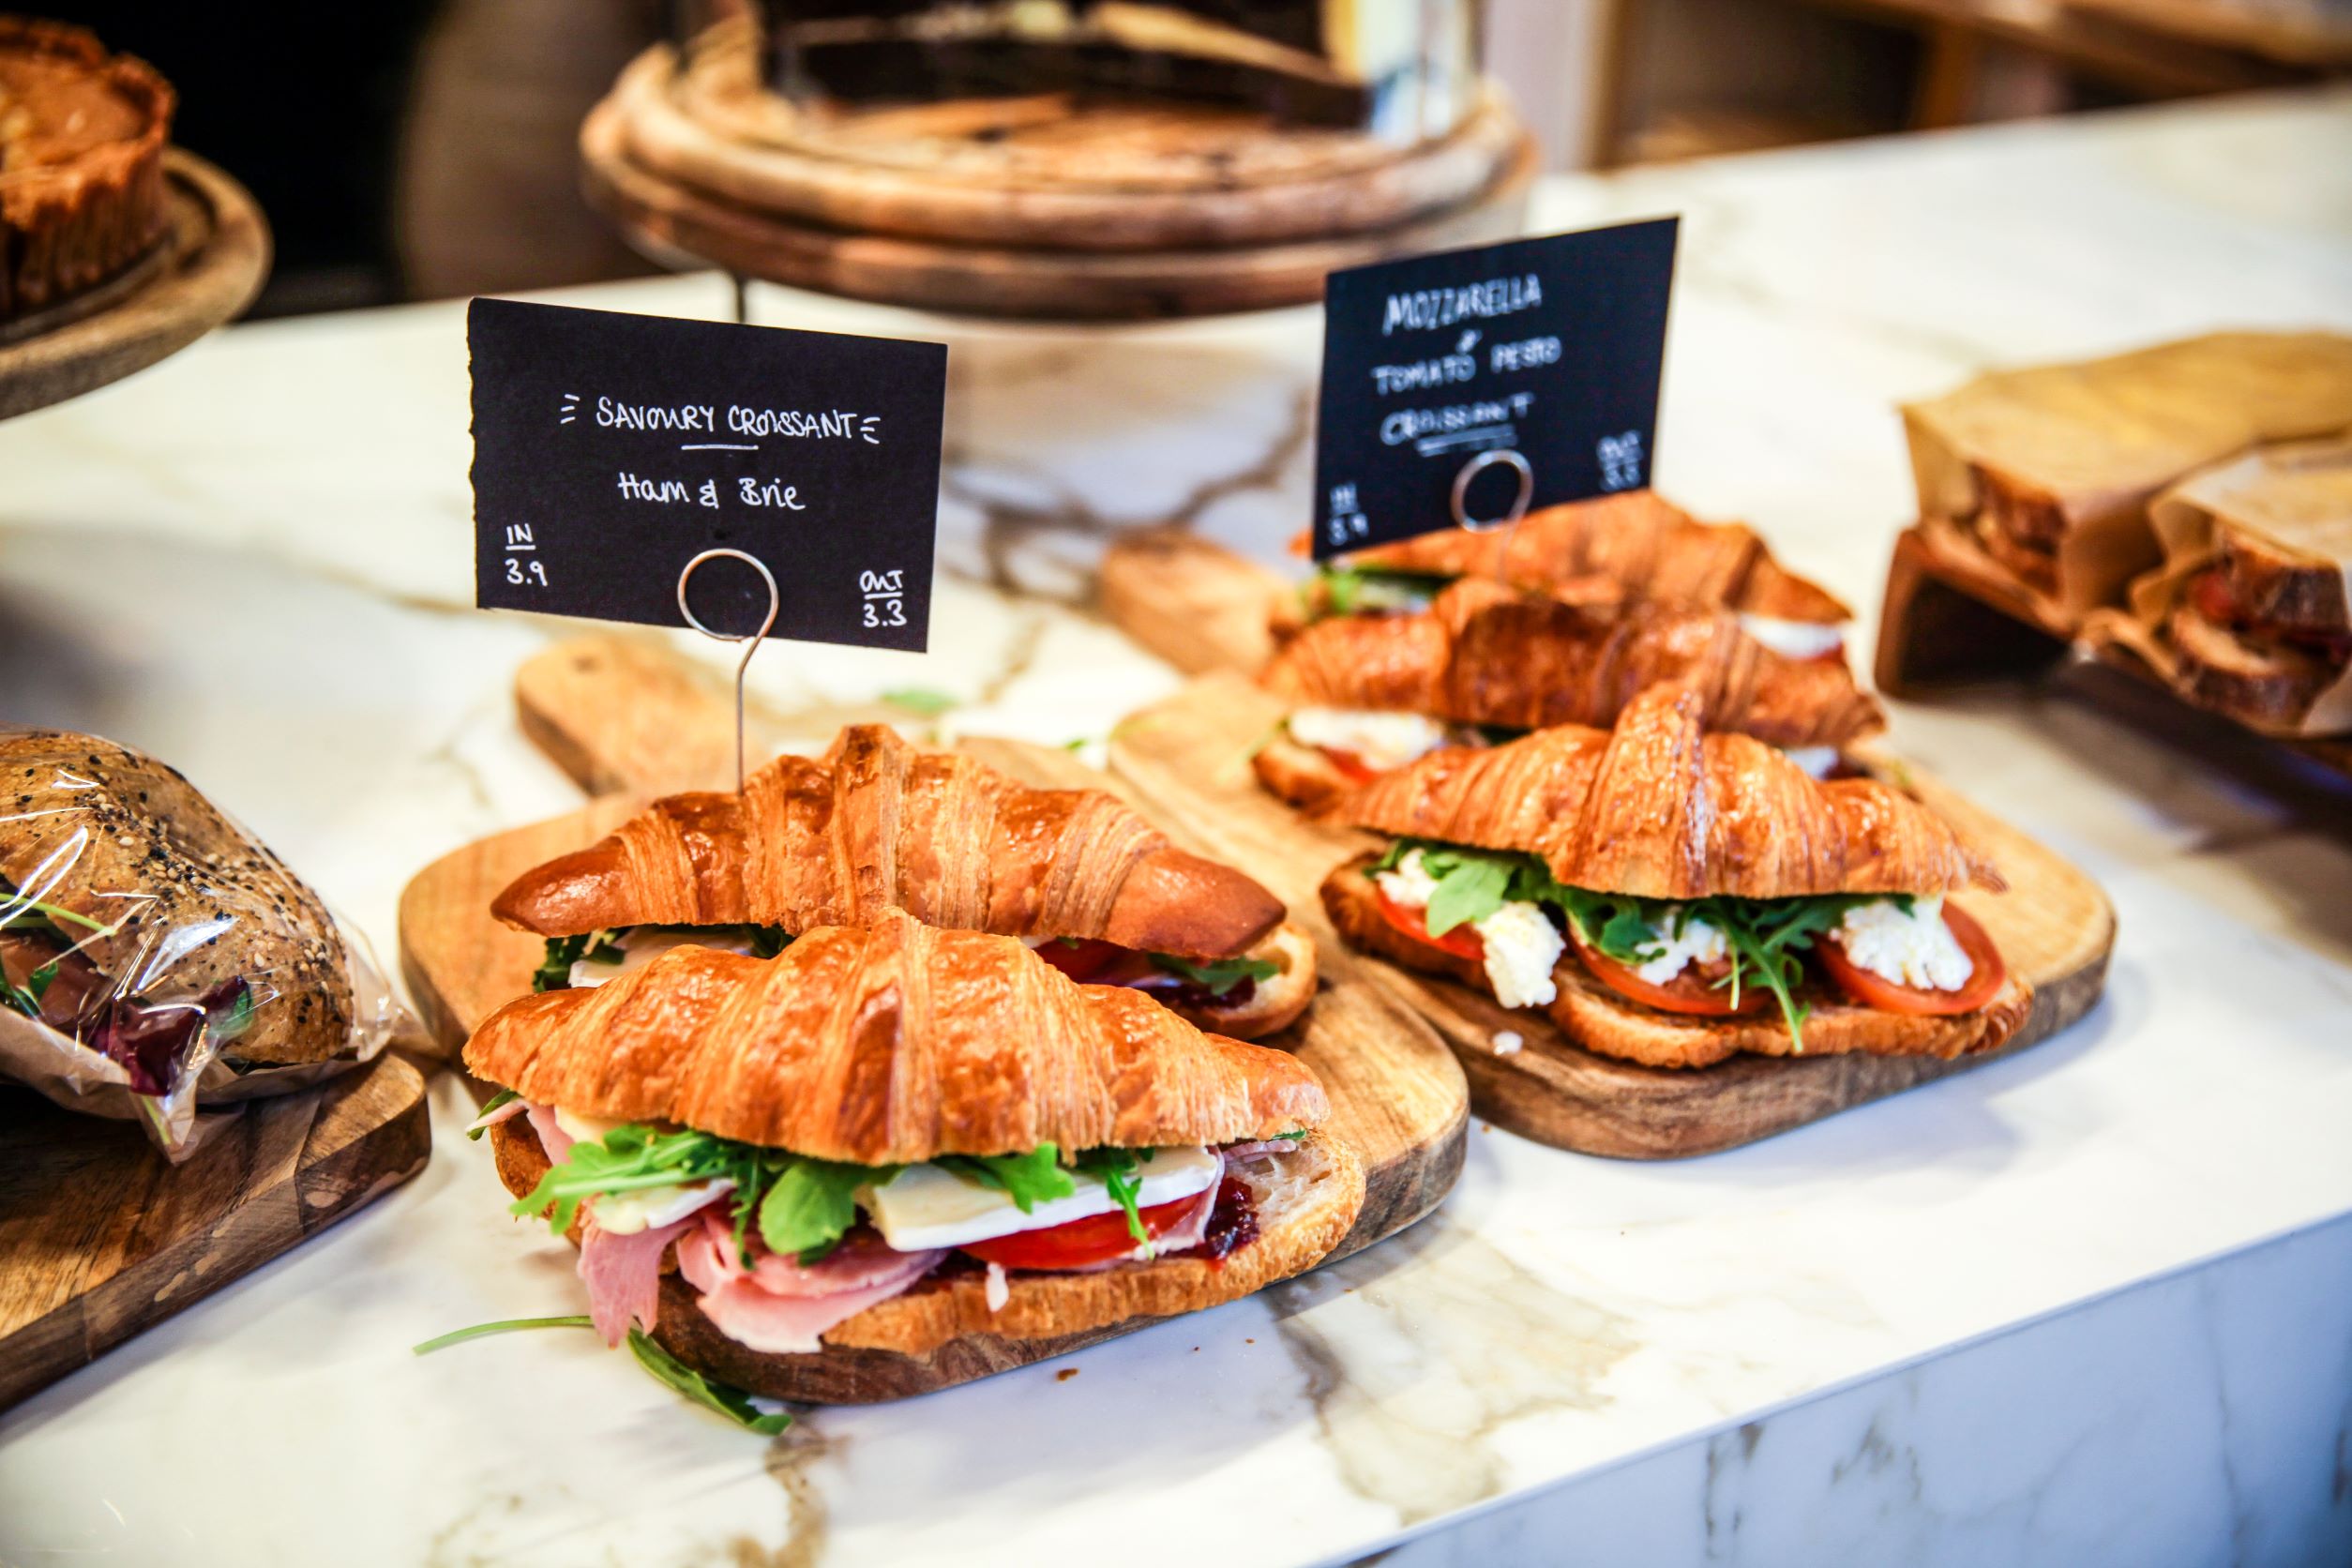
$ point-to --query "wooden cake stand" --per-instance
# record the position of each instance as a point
(1021, 207)
(205, 270)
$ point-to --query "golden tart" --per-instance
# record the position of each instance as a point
(82, 139)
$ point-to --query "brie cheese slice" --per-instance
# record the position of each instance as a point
(925, 1207)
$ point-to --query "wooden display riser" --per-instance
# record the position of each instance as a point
(1951, 617)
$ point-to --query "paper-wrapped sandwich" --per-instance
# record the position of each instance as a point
(1632, 548)
(2249, 614)
(877, 824)
(1672, 897)
(1368, 695)
(2051, 469)
(899, 1141)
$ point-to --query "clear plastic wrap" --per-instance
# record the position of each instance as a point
(155, 958)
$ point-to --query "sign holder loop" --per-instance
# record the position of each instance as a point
(1494, 456)
(750, 640)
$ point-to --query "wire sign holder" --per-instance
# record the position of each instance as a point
(751, 639)
(1494, 456)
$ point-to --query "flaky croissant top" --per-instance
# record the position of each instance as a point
(1659, 809)
(1483, 654)
(1637, 545)
(891, 1044)
(877, 824)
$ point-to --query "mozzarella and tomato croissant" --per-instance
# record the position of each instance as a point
(894, 1139)
(1632, 547)
(1672, 895)
(1369, 694)
(876, 824)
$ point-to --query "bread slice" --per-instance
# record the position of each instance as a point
(1273, 1003)
(1300, 774)
(2263, 684)
(1602, 1021)
(2281, 590)
(1306, 1199)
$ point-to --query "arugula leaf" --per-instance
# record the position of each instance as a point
(1469, 890)
(504, 1096)
(1293, 1134)
(554, 973)
(505, 1325)
(1117, 1168)
(1027, 1179)
(813, 1204)
(236, 1021)
(923, 701)
(1217, 976)
(632, 1157)
(1356, 590)
(732, 1403)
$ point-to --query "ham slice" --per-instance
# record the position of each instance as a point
(491, 1118)
(624, 1272)
(553, 1137)
(781, 1306)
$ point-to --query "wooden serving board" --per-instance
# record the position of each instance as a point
(1397, 1096)
(100, 1237)
(1189, 758)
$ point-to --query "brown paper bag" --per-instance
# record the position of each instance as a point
(2294, 502)
(2056, 465)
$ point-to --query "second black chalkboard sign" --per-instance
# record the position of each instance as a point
(1551, 348)
(609, 450)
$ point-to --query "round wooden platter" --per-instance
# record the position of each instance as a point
(1189, 758)
(1021, 251)
(206, 270)
(1028, 171)
(1397, 1096)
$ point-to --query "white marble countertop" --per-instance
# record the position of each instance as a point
(255, 561)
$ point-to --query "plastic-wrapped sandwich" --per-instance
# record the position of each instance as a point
(155, 956)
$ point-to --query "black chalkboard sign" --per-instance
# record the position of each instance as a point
(1550, 347)
(609, 450)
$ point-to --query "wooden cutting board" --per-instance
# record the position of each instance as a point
(1189, 760)
(100, 1237)
(1397, 1096)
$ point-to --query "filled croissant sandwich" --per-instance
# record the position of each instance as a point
(876, 824)
(1671, 896)
(1484, 664)
(892, 1138)
(1629, 547)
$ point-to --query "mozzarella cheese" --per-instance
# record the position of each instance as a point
(640, 947)
(1799, 639)
(1816, 761)
(1522, 946)
(1917, 949)
(925, 1207)
(1521, 942)
(1692, 941)
(1380, 740)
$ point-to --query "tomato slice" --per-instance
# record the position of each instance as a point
(1687, 992)
(1461, 941)
(2210, 592)
(1091, 961)
(1889, 996)
(1352, 768)
(1095, 1238)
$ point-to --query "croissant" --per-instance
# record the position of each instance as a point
(1659, 809)
(1636, 545)
(1482, 654)
(890, 1044)
(876, 824)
